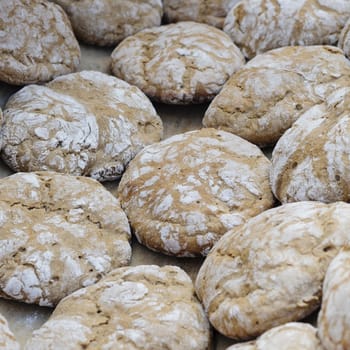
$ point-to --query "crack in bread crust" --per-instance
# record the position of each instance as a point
(58, 233)
(182, 194)
(264, 98)
(180, 63)
(247, 283)
(38, 43)
(212, 12)
(85, 123)
(257, 26)
(107, 22)
(142, 307)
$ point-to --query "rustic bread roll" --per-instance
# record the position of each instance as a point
(270, 270)
(209, 12)
(58, 233)
(334, 319)
(257, 26)
(344, 39)
(311, 160)
(107, 22)
(86, 123)
(290, 336)
(263, 99)
(180, 63)
(37, 42)
(142, 307)
(7, 339)
(182, 194)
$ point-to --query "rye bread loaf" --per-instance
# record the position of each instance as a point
(180, 63)
(58, 233)
(143, 307)
(182, 194)
(107, 22)
(264, 98)
(311, 160)
(258, 26)
(270, 270)
(37, 42)
(87, 123)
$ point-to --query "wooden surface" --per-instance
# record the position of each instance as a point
(23, 319)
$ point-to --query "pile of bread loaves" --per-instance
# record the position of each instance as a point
(275, 233)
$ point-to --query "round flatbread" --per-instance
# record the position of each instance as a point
(311, 160)
(290, 336)
(86, 123)
(37, 42)
(7, 339)
(257, 26)
(270, 270)
(210, 12)
(182, 194)
(58, 233)
(142, 307)
(107, 22)
(264, 98)
(180, 63)
(333, 319)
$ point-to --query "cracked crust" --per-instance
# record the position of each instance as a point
(263, 99)
(107, 22)
(290, 336)
(333, 319)
(182, 194)
(85, 123)
(211, 12)
(142, 307)
(344, 39)
(37, 42)
(255, 279)
(180, 63)
(311, 160)
(58, 233)
(257, 26)
(7, 339)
